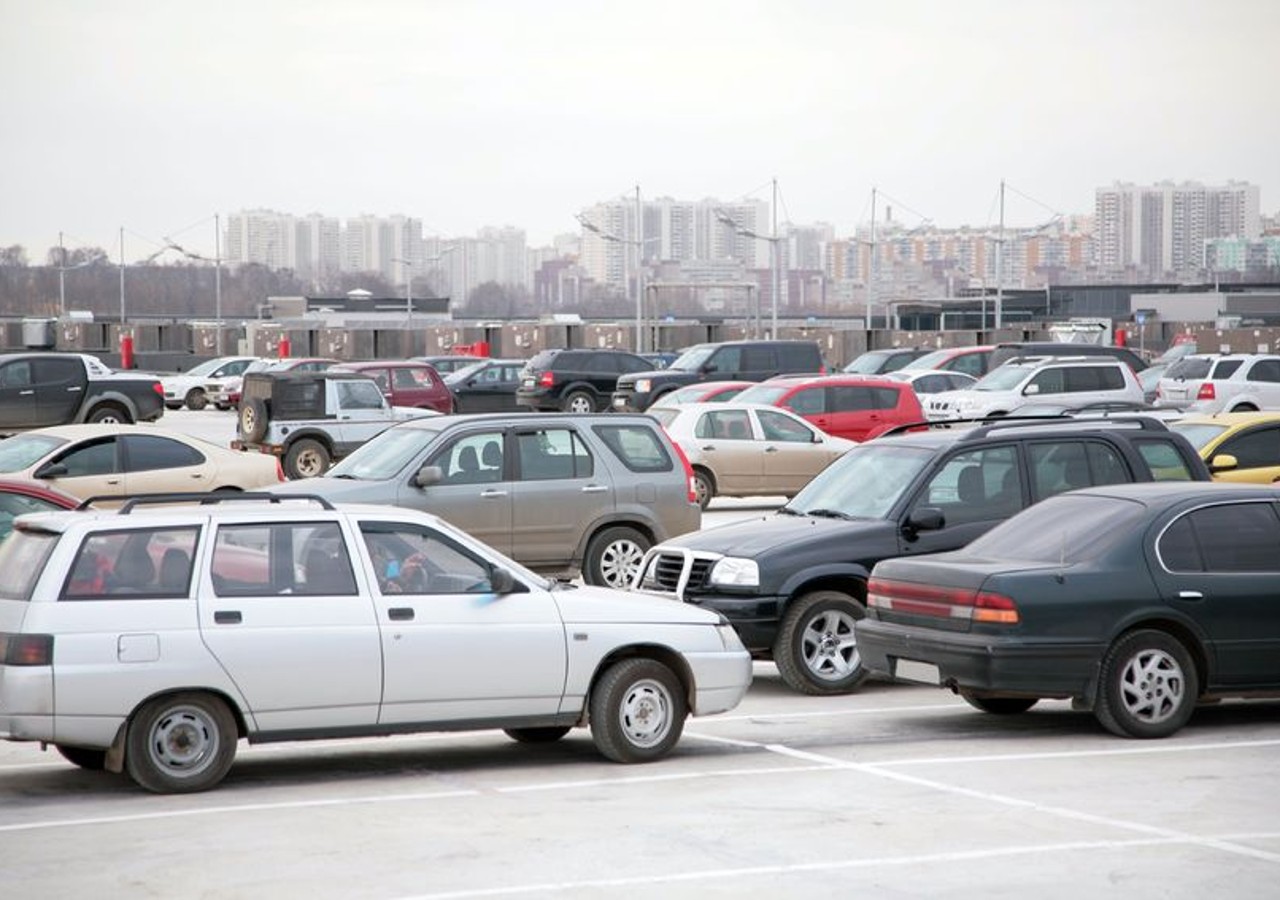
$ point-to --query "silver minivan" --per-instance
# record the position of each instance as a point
(561, 494)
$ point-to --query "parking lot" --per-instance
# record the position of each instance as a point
(893, 791)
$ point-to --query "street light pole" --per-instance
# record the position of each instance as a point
(408, 289)
(777, 265)
(62, 277)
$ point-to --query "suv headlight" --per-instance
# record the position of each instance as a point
(643, 385)
(734, 572)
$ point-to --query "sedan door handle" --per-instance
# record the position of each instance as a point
(227, 616)
(1190, 595)
(596, 489)
(770, 449)
(400, 613)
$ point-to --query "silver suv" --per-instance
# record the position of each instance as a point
(1078, 380)
(561, 494)
(168, 632)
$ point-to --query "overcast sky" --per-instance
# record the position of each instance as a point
(154, 116)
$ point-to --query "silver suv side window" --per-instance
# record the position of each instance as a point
(553, 453)
(472, 459)
(637, 447)
(137, 564)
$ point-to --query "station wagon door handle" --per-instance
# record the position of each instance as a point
(1190, 595)
(227, 616)
(707, 447)
(596, 489)
(771, 449)
(400, 613)
(492, 494)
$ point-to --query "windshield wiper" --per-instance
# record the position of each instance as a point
(830, 514)
(789, 511)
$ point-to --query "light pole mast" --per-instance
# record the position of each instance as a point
(777, 265)
(122, 278)
(639, 273)
(62, 277)
(217, 276)
(871, 267)
(1000, 262)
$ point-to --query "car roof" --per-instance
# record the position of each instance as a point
(1167, 492)
(82, 431)
(1232, 419)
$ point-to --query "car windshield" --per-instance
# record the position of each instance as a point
(1067, 529)
(1005, 378)
(762, 393)
(932, 360)
(1199, 434)
(205, 367)
(22, 450)
(457, 376)
(865, 483)
(867, 364)
(386, 455)
(693, 358)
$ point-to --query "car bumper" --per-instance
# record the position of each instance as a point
(720, 680)
(754, 617)
(980, 662)
(631, 401)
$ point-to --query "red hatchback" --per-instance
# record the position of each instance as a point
(405, 382)
(18, 496)
(857, 407)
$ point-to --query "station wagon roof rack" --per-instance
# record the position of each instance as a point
(203, 499)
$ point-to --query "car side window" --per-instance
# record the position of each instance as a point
(1235, 537)
(728, 424)
(552, 453)
(813, 400)
(136, 564)
(1165, 462)
(726, 359)
(1071, 465)
(360, 394)
(97, 458)
(1255, 449)
(1265, 370)
(886, 397)
(16, 374)
(284, 558)
(969, 364)
(976, 486)
(777, 427)
(411, 559)
(410, 378)
(473, 459)
(1049, 381)
(636, 446)
(1224, 368)
(145, 453)
(758, 359)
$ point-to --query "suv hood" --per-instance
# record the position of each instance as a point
(787, 534)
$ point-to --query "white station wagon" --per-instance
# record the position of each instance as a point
(152, 638)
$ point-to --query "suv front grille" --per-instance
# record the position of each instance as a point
(676, 571)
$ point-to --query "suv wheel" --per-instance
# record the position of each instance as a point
(196, 399)
(306, 458)
(579, 402)
(181, 743)
(613, 557)
(637, 711)
(816, 652)
(1148, 686)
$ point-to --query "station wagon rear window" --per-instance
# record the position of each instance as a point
(22, 558)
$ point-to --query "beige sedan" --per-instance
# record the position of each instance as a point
(748, 449)
(116, 460)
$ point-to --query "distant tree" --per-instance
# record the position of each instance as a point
(490, 300)
(77, 256)
(15, 256)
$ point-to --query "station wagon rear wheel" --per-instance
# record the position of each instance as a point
(180, 744)
(637, 711)
(306, 459)
(613, 557)
(1149, 686)
(815, 651)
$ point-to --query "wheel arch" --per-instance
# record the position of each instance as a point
(670, 658)
(108, 398)
(1177, 630)
(613, 520)
(851, 580)
(116, 752)
(315, 434)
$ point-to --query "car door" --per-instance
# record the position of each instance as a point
(792, 452)
(153, 463)
(452, 649)
(18, 394)
(90, 468)
(60, 384)
(727, 444)
(1257, 454)
(1220, 564)
(476, 488)
(362, 412)
(853, 412)
(559, 488)
(975, 490)
(284, 613)
(1264, 382)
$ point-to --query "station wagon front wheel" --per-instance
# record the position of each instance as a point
(181, 743)
(637, 711)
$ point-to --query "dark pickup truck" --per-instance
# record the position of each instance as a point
(41, 389)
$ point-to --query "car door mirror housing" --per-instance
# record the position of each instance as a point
(925, 518)
(501, 581)
(1223, 462)
(58, 470)
(1032, 389)
(427, 476)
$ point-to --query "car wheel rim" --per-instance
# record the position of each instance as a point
(828, 646)
(109, 420)
(246, 421)
(703, 490)
(645, 713)
(619, 562)
(580, 405)
(1152, 687)
(308, 463)
(183, 742)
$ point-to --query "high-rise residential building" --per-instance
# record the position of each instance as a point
(319, 248)
(1160, 230)
(263, 237)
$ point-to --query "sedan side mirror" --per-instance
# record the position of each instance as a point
(427, 476)
(1223, 462)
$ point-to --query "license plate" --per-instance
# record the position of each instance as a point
(528, 382)
(911, 670)
(619, 402)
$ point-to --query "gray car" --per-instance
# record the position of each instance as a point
(561, 494)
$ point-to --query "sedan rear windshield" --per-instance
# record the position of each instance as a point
(22, 557)
(1068, 529)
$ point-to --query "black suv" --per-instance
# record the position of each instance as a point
(793, 584)
(728, 361)
(577, 381)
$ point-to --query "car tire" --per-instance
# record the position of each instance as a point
(109, 414)
(306, 458)
(253, 419)
(181, 743)
(637, 711)
(816, 651)
(999, 706)
(1148, 685)
(704, 486)
(579, 402)
(613, 556)
(547, 735)
(196, 399)
(84, 757)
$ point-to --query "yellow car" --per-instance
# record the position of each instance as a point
(1242, 447)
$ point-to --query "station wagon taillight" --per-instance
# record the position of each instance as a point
(941, 602)
(547, 380)
(26, 649)
(1206, 392)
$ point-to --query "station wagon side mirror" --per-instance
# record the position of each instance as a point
(59, 470)
(428, 475)
(924, 518)
(1223, 462)
(502, 581)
